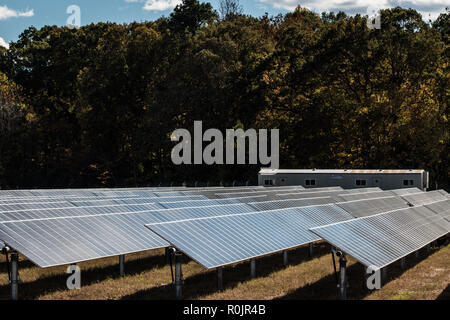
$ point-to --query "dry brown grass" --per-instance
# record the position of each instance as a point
(147, 277)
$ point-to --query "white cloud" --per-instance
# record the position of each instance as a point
(160, 5)
(156, 5)
(6, 13)
(428, 8)
(3, 43)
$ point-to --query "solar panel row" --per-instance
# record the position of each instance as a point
(68, 239)
(124, 216)
(424, 198)
(223, 240)
(379, 240)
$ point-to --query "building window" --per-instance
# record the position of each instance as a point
(361, 182)
(269, 182)
(310, 182)
(408, 182)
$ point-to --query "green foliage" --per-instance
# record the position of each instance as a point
(95, 106)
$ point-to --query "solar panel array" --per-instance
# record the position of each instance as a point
(223, 240)
(56, 227)
(382, 239)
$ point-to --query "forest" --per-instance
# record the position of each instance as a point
(95, 106)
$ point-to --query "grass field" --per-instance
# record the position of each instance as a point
(147, 277)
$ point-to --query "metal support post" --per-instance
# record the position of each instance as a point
(178, 275)
(285, 258)
(403, 263)
(342, 276)
(253, 268)
(122, 265)
(384, 274)
(219, 278)
(14, 275)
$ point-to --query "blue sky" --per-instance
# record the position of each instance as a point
(17, 15)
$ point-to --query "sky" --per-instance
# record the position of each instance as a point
(17, 15)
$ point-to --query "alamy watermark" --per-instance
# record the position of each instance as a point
(74, 20)
(74, 280)
(373, 280)
(373, 17)
(213, 153)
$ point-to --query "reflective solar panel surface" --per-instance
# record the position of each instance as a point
(366, 195)
(361, 190)
(303, 195)
(444, 193)
(424, 198)
(280, 204)
(53, 242)
(405, 191)
(224, 240)
(323, 189)
(75, 211)
(210, 202)
(442, 208)
(65, 240)
(368, 207)
(381, 239)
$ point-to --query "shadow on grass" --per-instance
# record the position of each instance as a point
(24, 264)
(57, 282)
(206, 282)
(445, 294)
(326, 288)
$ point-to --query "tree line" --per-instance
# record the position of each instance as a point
(96, 106)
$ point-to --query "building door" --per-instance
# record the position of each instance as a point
(376, 181)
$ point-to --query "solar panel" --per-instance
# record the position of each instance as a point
(323, 189)
(304, 195)
(424, 198)
(288, 203)
(259, 192)
(405, 191)
(210, 202)
(70, 239)
(223, 240)
(362, 190)
(442, 208)
(384, 238)
(52, 242)
(444, 193)
(366, 195)
(54, 199)
(195, 203)
(91, 203)
(30, 214)
(368, 207)
(34, 206)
